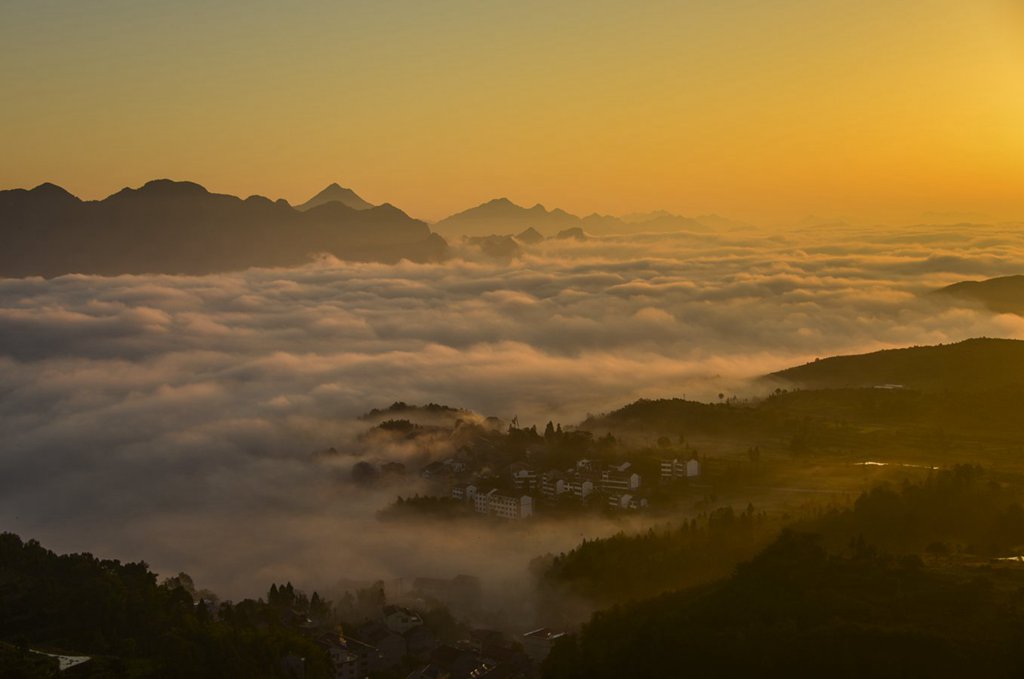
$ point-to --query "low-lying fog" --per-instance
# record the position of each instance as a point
(173, 419)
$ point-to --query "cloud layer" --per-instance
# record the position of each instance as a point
(172, 418)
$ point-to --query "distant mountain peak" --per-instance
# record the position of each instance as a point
(51, 190)
(530, 236)
(336, 193)
(500, 216)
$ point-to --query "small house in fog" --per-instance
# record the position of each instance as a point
(538, 643)
(400, 620)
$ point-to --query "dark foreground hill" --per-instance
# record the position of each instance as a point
(980, 363)
(900, 584)
(134, 627)
(181, 228)
(1003, 295)
(797, 611)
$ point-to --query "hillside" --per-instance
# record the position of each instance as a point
(181, 228)
(979, 363)
(900, 583)
(797, 611)
(1002, 295)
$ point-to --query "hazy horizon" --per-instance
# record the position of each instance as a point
(763, 113)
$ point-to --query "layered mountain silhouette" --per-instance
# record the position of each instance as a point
(1003, 295)
(180, 227)
(501, 216)
(336, 194)
(980, 363)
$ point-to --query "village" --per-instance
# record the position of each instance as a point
(515, 473)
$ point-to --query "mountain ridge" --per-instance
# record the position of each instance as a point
(179, 227)
(1004, 294)
(501, 216)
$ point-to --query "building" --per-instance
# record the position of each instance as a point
(619, 479)
(464, 491)
(493, 503)
(676, 469)
(552, 484)
(400, 620)
(579, 487)
(627, 501)
(538, 643)
(524, 479)
(349, 658)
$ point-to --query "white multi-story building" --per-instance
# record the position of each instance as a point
(552, 484)
(676, 469)
(581, 488)
(626, 501)
(493, 503)
(524, 478)
(464, 492)
(619, 479)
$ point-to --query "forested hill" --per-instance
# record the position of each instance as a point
(1002, 295)
(974, 364)
(181, 228)
(134, 627)
(901, 584)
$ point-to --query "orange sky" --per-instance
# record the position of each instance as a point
(872, 110)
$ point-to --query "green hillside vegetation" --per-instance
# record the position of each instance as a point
(631, 567)
(940, 427)
(900, 584)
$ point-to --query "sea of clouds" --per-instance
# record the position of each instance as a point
(172, 418)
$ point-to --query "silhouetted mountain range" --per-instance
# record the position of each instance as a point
(180, 227)
(979, 363)
(1002, 295)
(501, 216)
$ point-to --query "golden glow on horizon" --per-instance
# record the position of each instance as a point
(762, 111)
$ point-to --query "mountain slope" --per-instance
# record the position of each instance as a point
(180, 227)
(503, 217)
(1002, 295)
(972, 364)
(336, 194)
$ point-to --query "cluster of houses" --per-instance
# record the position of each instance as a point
(618, 486)
(401, 640)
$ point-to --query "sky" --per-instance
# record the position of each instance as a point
(873, 111)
